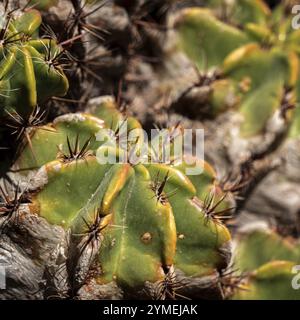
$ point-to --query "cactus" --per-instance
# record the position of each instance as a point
(262, 62)
(84, 213)
(240, 12)
(295, 128)
(143, 212)
(30, 71)
(42, 4)
(198, 28)
(268, 261)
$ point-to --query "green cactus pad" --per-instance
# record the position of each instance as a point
(260, 247)
(27, 77)
(200, 33)
(240, 12)
(272, 281)
(47, 141)
(269, 261)
(43, 4)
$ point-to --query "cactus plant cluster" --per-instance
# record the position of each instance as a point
(150, 212)
(258, 55)
(85, 198)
